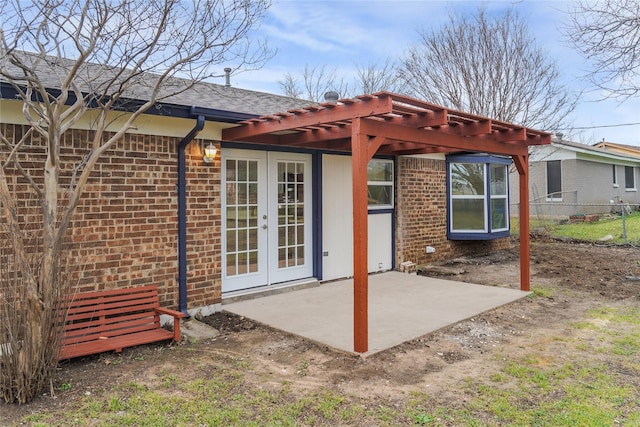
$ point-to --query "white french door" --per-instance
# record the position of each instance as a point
(266, 213)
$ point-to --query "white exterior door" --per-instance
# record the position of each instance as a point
(290, 213)
(266, 212)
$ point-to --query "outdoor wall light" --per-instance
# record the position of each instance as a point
(209, 153)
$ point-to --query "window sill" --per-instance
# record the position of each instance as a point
(616, 186)
(630, 190)
(477, 236)
(553, 200)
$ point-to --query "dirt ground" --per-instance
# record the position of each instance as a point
(574, 277)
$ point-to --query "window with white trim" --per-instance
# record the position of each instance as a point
(380, 184)
(478, 197)
(629, 178)
(499, 197)
(554, 180)
(615, 175)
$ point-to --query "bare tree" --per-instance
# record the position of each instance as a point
(89, 58)
(315, 81)
(376, 77)
(313, 84)
(607, 34)
(490, 66)
(290, 86)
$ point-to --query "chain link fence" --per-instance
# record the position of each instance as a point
(617, 222)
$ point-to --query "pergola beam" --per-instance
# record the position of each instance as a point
(318, 135)
(303, 118)
(446, 140)
(422, 120)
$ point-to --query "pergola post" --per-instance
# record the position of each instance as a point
(363, 148)
(359, 160)
(522, 164)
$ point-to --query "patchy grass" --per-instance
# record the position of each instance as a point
(589, 231)
(542, 292)
(221, 401)
(525, 393)
(535, 390)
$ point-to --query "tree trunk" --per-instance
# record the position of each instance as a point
(37, 354)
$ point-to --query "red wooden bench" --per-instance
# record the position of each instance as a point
(95, 322)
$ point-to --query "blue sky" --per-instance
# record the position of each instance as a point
(341, 34)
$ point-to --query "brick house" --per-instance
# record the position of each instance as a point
(277, 207)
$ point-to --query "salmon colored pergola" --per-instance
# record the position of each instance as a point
(392, 124)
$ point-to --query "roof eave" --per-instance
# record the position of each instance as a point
(7, 91)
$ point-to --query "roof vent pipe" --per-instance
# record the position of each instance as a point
(227, 75)
(331, 96)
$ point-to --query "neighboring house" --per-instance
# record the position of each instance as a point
(568, 178)
(295, 189)
(625, 150)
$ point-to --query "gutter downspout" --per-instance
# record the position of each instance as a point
(182, 215)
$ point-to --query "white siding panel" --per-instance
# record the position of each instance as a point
(337, 217)
(380, 242)
(337, 224)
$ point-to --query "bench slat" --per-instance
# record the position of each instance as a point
(90, 305)
(98, 321)
(110, 314)
(116, 343)
(87, 307)
(111, 330)
(79, 300)
(108, 293)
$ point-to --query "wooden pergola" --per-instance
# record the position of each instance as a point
(392, 124)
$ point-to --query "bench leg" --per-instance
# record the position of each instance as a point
(176, 329)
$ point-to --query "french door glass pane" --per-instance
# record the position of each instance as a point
(290, 213)
(242, 217)
(253, 261)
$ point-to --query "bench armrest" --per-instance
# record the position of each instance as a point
(174, 313)
(177, 315)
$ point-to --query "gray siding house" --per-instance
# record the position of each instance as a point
(568, 178)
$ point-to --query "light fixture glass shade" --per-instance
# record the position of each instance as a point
(209, 153)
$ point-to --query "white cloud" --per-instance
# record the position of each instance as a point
(343, 34)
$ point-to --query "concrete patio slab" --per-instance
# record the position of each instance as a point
(401, 307)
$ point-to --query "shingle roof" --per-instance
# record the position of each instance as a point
(229, 98)
(52, 70)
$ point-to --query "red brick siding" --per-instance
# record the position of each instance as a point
(125, 231)
(421, 215)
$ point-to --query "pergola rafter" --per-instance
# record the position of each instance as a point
(392, 124)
